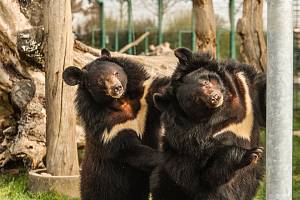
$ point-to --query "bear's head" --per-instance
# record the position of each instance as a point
(197, 86)
(198, 89)
(102, 78)
(197, 95)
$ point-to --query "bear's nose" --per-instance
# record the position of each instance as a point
(214, 98)
(117, 88)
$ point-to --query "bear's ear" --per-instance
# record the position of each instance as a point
(105, 52)
(183, 54)
(72, 75)
(160, 101)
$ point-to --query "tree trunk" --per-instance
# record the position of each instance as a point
(205, 26)
(22, 81)
(62, 158)
(250, 29)
(22, 112)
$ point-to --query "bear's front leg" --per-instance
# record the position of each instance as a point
(221, 167)
(142, 157)
(133, 152)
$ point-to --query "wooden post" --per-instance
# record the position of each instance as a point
(60, 126)
(205, 26)
(250, 29)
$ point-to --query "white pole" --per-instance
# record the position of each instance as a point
(279, 100)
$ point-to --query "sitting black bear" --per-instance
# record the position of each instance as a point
(208, 117)
(112, 101)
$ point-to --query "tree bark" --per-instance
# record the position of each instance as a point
(205, 26)
(250, 29)
(22, 113)
(62, 158)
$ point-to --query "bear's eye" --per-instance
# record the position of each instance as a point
(100, 82)
(204, 82)
(116, 73)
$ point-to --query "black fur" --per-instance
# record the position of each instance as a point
(198, 165)
(153, 126)
(117, 169)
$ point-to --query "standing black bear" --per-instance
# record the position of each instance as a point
(208, 116)
(112, 101)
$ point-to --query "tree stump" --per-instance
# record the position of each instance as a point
(250, 29)
(205, 26)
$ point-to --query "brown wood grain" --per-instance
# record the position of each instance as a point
(205, 26)
(250, 29)
(62, 156)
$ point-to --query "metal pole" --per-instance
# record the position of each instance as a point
(179, 39)
(93, 37)
(117, 39)
(129, 25)
(102, 23)
(218, 44)
(279, 100)
(147, 42)
(232, 29)
(160, 19)
(193, 30)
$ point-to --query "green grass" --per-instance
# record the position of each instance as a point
(296, 121)
(15, 188)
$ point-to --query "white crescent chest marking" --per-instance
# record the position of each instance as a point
(242, 129)
(137, 124)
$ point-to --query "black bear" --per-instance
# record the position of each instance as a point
(211, 135)
(114, 100)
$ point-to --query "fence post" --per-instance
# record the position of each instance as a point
(193, 31)
(129, 37)
(232, 29)
(179, 36)
(218, 44)
(93, 37)
(146, 42)
(117, 39)
(279, 100)
(102, 23)
(160, 19)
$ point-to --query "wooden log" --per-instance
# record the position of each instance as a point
(134, 43)
(22, 92)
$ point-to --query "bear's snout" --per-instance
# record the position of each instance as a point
(117, 90)
(114, 87)
(215, 99)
